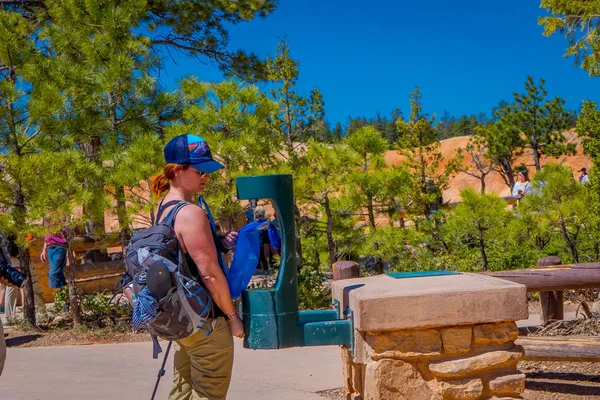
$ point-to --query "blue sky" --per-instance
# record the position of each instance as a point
(367, 56)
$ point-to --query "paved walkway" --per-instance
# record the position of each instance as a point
(127, 371)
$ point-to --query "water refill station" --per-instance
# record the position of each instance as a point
(271, 316)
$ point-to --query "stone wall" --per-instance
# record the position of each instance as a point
(463, 362)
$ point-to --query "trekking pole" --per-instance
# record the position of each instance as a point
(161, 371)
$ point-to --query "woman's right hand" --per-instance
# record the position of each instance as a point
(236, 326)
(43, 255)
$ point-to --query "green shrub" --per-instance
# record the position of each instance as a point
(313, 289)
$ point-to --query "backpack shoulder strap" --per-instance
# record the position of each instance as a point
(162, 207)
(170, 217)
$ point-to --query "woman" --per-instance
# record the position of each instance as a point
(55, 245)
(522, 186)
(202, 364)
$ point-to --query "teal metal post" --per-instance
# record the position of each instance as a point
(271, 315)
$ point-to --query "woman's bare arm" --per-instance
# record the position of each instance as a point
(193, 229)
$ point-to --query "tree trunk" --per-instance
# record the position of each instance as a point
(482, 180)
(28, 295)
(484, 260)
(379, 266)
(506, 171)
(95, 224)
(370, 208)
(536, 155)
(74, 305)
(40, 304)
(330, 241)
(571, 244)
(19, 219)
(124, 231)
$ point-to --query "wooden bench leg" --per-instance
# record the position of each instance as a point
(552, 306)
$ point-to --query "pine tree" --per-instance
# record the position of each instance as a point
(319, 183)
(234, 119)
(478, 221)
(297, 117)
(578, 21)
(367, 185)
(541, 121)
(561, 201)
(194, 28)
(420, 147)
(504, 144)
(21, 110)
(480, 165)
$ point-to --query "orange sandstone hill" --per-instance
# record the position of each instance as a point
(494, 182)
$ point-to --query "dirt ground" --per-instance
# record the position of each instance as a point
(38, 338)
(558, 380)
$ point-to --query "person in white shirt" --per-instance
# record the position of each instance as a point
(584, 177)
(522, 186)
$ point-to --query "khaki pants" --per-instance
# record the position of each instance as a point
(10, 301)
(202, 365)
(12, 293)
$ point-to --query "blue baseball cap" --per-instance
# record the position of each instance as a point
(192, 150)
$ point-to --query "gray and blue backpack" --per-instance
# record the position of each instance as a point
(170, 302)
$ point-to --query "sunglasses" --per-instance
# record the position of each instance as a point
(200, 173)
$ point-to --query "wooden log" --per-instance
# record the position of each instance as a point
(345, 270)
(541, 280)
(551, 302)
(593, 265)
(561, 348)
(90, 270)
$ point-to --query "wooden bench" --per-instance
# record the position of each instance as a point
(551, 281)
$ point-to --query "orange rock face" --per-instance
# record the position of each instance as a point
(494, 182)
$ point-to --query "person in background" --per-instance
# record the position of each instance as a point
(8, 294)
(55, 252)
(4, 259)
(522, 186)
(584, 177)
(265, 262)
(2, 340)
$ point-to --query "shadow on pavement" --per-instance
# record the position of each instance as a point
(20, 340)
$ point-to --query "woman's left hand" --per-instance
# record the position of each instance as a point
(230, 239)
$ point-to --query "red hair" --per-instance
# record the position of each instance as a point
(161, 183)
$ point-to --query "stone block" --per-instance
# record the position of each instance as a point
(504, 332)
(382, 303)
(406, 343)
(363, 353)
(465, 389)
(508, 384)
(476, 364)
(394, 379)
(457, 340)
(353, 375)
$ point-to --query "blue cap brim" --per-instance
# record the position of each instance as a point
(208, 167)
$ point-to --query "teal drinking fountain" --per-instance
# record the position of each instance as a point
(271, 316)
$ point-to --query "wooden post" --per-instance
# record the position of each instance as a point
(345, 270)
(551, 302)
